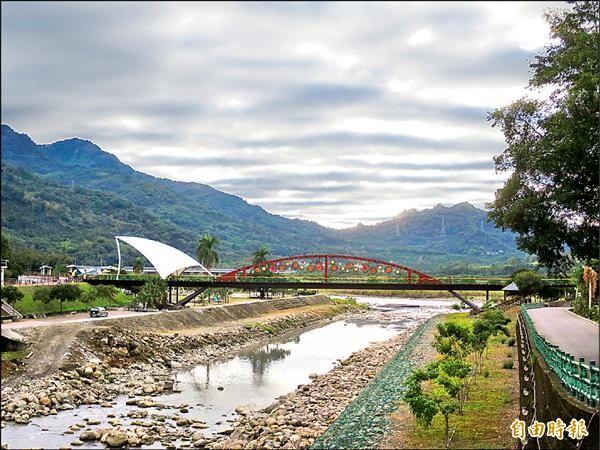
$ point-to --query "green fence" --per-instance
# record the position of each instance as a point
(581, 380)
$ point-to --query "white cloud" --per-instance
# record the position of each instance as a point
(330, 111)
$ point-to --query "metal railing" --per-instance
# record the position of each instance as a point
(581, 380)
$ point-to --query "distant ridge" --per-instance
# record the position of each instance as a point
(178, 213)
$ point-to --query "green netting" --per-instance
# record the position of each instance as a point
(366, 419)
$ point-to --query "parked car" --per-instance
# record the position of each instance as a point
(98, 312)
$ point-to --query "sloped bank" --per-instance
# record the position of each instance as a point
(201, 317)
(364, 422)
(296, 420)
(107, 361)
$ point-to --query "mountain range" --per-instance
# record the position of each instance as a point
(73, 197)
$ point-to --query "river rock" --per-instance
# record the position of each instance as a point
(89, 436)
(242, 410)
(116, 438)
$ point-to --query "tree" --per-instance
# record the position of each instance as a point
(206, 251)
(65, 293)
(138, 265)
(260, 255)
(453, 340)
(490, 322)
(5, 250)
(41, 294)
(10, 294)
(528, 282)
(101, 292)
(425, 405)
(551, 198)
(154, 293)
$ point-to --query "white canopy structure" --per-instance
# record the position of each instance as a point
(166, 259)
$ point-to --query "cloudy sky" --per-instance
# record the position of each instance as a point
(334, 112)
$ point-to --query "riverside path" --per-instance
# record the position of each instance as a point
(572, 333)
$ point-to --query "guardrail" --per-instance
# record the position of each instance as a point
(581, 380)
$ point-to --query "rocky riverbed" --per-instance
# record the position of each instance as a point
(107, 362)
(297, 419)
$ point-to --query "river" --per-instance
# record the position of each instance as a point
(253, 378)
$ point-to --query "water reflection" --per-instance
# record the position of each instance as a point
(261, 359)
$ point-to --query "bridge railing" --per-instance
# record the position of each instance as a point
(581, 380)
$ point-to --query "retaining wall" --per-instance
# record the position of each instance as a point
(543, 398)
(191, 318)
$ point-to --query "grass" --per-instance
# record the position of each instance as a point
(350, 301)
(262, 327)
(27, 306)
(14, 356)
(492, 404)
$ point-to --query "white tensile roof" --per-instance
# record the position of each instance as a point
(512, 287)
(166, 260)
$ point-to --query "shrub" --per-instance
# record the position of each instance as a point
(510, 342)
(507, 364)
(509, 355)
(486, 373)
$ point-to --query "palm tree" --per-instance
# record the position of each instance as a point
(206, 250)
(138, 265)
(260, 255)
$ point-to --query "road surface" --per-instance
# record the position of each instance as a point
(572, 333)
(74, 318)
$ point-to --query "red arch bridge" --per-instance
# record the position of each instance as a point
(316, 271)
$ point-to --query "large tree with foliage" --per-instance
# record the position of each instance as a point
(551, 198)
(206, 251)
(10, 294)
(529, 283)
(153, 293)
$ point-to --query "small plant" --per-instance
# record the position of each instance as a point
(486, 373)
(507, 364)
(262, 327)
(510, 342)
(509, 355)
(350, 301)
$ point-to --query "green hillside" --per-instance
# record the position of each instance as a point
(72, 197)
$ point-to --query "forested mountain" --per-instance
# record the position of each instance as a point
(73, 197)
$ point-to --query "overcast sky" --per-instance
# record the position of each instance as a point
(334, 112)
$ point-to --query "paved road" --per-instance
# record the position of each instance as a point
(573, 334)
(79, 317)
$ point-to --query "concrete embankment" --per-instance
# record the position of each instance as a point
(210, 316)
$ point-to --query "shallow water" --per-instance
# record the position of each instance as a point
(253, 378)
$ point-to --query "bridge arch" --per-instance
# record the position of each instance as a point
(328, 264)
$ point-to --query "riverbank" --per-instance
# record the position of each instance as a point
(297, 419)
(106, 362)
(493, 403)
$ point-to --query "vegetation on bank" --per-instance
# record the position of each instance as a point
(486, 393)
(349, 301)
(89, 296)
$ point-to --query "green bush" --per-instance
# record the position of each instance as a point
(508, 364)
(510, 342)
(351, 301)
(509, 355)
(486, 373)
(306, 292)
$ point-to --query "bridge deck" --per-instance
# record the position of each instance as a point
(572, 333)
(307, 285)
